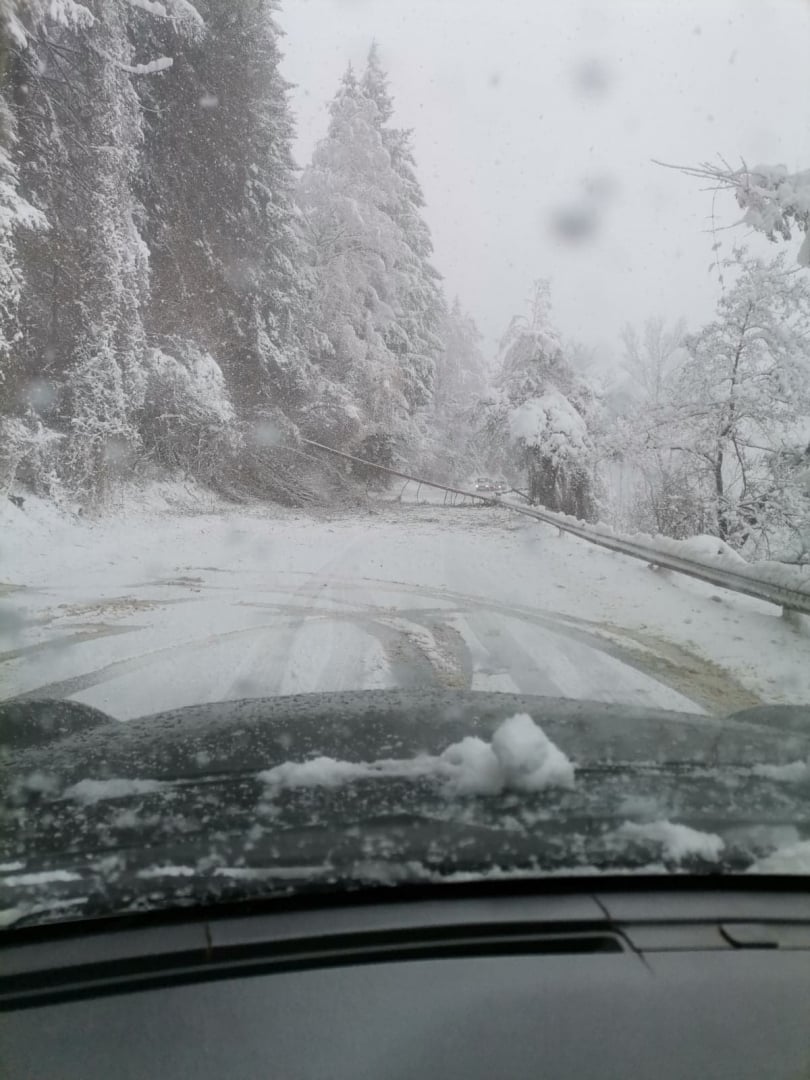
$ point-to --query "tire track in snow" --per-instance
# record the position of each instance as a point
(688, 673)
(423, 646)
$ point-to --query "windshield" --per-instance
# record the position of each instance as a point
(404, 444)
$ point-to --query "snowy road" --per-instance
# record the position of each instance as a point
(138, 616)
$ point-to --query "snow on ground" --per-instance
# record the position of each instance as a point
(178, 599)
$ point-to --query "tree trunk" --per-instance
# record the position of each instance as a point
(719, 490)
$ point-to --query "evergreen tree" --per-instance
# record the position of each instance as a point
(379, 307)
(217, 184)
(415, 335)
(346, 195)
(85, 279)
(85, 283)
(16, 213)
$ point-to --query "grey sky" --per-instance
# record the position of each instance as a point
(535, 119)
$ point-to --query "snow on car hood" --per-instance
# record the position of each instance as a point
(331, 790)
(520, 757)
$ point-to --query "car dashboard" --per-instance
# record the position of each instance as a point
(630, 980)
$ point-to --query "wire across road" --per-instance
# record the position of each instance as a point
(793, 598)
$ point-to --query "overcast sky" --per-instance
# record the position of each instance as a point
(534, 124)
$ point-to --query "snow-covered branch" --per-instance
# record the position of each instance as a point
(774, 200)
(178, 10)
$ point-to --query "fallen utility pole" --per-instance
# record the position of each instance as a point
(794, 600)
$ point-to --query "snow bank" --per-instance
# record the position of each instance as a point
(520, 757)
(40, 518)
(678, 842)
(709, 547)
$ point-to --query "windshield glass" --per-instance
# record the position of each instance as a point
(404, 444)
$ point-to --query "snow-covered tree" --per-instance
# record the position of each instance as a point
(462, 382)
(163, 298)
(741, 404)
(217, 181)
(651, 358)
(16, 214)
(378, 306)
(653, 486)
(415, 334)
(85, 283)
(462, 373)
(543, 410)
(84, 279)
(558, 450)
(345, 195)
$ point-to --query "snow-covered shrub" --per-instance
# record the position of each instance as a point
(15, 442)
(778, 519)
(666, 503)
(100, 439)
(29, 457)
(187, 421)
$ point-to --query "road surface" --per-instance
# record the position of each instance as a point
(136, 617)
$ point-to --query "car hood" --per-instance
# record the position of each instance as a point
(330, 790)
(71, 738)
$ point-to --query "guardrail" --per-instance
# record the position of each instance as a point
(776, 583)
(747, 578)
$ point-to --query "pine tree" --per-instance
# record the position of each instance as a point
(85, 280)
(346, 196)
(16, 214)
(217, 183)
(379, 307)
(415, 335)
